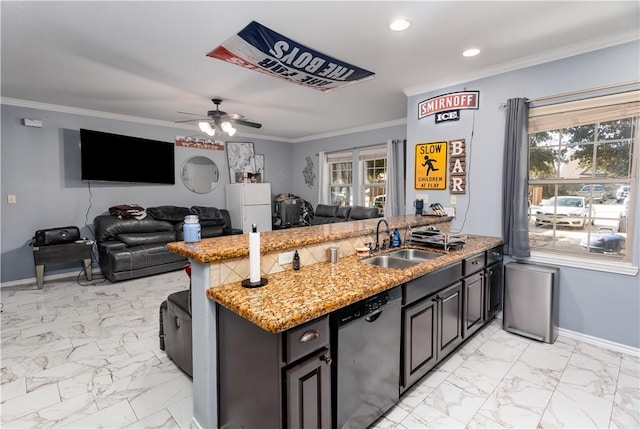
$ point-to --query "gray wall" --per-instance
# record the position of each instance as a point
(347, 142)
(41, 166)
(595, 303)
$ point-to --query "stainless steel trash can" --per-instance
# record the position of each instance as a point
(531, 301)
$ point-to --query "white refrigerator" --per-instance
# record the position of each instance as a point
(249, 203)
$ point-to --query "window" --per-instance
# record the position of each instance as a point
(341, 170)
(367, 187)
(373, 164)
(582, 178)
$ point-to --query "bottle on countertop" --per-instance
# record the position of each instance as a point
(296, 261)
(396, 241)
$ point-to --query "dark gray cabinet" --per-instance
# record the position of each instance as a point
(474, 303)
(273, 380)
(494, 283)
(432, 325)
(308, 392)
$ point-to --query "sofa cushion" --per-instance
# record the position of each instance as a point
(343, 213)
(108, 227)
(205, 232)
(169, 213)
(138, 239)
(209, 215)
(360, 212)
(148, 255)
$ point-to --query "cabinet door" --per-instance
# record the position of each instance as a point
(474, 304)
(308, 393)
(494, 283)
(449, 319)
(419, 340)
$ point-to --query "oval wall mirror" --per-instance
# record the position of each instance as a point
(200, 174)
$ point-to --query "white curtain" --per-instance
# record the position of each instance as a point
(394, 201)
(323, 179)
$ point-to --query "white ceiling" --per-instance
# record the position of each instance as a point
(148, 59)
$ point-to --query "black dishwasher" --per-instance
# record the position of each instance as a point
(366, 343)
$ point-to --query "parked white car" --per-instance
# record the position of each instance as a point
(564, 211)
(622, 192)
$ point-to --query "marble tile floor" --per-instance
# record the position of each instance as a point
(75, 356)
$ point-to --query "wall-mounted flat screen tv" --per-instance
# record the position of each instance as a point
(117, 158)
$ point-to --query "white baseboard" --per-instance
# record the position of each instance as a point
(617, 347)
(33, 281)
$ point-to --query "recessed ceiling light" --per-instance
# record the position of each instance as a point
(399, 24)
(471, 52)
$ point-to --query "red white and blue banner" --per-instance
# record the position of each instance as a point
(259, 48)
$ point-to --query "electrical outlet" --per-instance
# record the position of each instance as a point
(285, 258)
(454, 200)
(423, 197)
(11, 199)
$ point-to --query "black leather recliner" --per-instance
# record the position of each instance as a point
(175, 327)
(175, 318)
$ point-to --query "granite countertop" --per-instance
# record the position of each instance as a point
(233, 246)
(294, 297)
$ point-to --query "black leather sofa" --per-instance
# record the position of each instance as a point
(132, 248)
(325, 213)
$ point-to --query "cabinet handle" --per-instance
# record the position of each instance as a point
(495, 253)
(326, 359)
(309, 336)
(475, 262)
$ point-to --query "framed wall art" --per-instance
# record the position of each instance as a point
(240, 157)
(258, 169)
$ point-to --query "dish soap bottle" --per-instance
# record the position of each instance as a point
(296, 261)
(395, 238)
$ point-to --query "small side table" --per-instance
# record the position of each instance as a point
(59, 253)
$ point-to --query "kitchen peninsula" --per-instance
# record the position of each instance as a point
(291, 298)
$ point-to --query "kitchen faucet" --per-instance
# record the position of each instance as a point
(384, 240)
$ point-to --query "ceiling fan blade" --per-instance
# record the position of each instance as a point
(189, 113)
(191, 120)
(246, 123)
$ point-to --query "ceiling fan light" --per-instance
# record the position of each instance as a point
(205, 127)
(226, 126)
(231, 131)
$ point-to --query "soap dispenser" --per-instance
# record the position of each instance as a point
(395, 238)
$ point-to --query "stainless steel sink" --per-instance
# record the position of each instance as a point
(389, 262)
(415, 254)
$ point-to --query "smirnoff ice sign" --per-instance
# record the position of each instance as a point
(447, 107)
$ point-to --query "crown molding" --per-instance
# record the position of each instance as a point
(532, 60)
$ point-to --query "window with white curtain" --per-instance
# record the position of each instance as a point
(366, 186)
(582, 177)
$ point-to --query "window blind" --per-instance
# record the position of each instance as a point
(584, 112)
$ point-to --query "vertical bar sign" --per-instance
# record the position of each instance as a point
(431, 165)
(458, 166)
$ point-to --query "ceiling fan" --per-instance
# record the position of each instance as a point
(218, 120)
